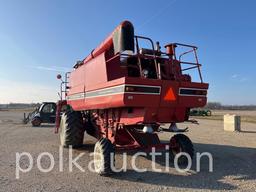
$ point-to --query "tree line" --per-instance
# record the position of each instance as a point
(218, 105)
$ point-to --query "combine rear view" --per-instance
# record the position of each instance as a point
(122, 92)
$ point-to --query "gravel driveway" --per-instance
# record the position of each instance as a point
(234, 160)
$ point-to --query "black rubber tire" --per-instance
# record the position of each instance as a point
(209, 113)
(71, 129)
(186, 146)
(36, 122)
(103, 150)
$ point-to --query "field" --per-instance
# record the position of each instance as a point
(246, 116)
(234, 156)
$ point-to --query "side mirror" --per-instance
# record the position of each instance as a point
(59, 76)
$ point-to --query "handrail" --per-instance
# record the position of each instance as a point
(155, 57)
(189, 68)
(64, 90)
(196, 64)
(134, 55)
(190, 63)
(157, 65)
(185, 53)
(185, 45)
(146, 38)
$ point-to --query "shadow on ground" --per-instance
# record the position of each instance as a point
(229, 161)
(248, 131)
(44, 126)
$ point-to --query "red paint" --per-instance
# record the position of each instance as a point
(119, 114)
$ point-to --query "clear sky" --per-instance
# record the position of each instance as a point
(39, 38)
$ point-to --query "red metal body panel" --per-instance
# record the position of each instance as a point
(152, 108)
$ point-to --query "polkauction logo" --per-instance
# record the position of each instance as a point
(72, 162)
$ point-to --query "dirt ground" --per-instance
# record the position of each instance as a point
(234, 160)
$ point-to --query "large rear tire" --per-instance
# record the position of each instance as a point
(104, 157)
(71, 129)
(181, 143)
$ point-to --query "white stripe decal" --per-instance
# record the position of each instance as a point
(120, 89)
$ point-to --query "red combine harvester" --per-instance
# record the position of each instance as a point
(121, 93)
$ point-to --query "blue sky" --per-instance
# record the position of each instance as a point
(38, 38)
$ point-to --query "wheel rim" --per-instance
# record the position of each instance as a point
(98, 159)
(36, 122)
